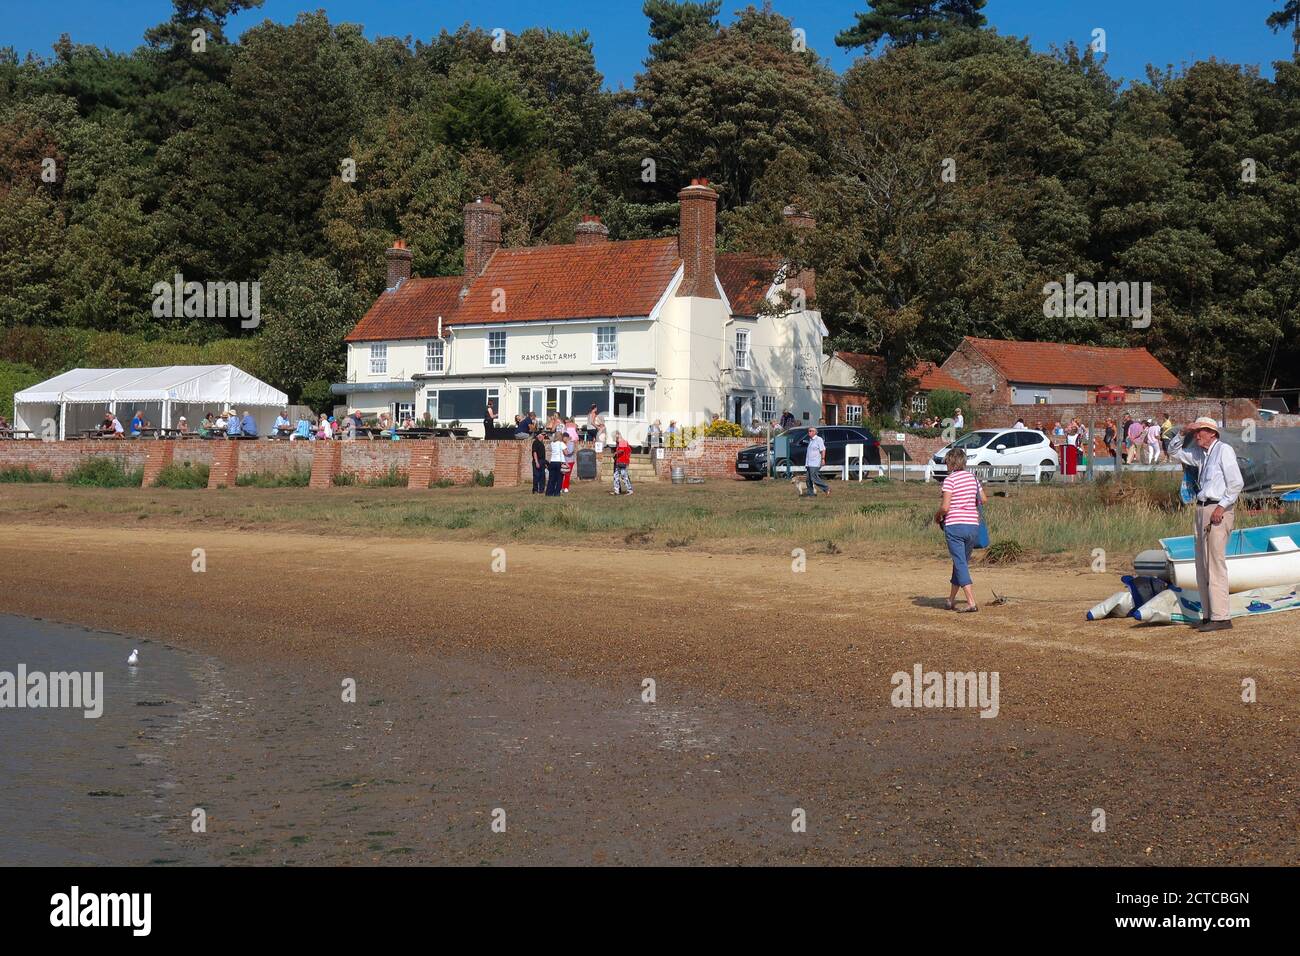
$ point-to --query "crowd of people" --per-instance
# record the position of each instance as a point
(554, 453)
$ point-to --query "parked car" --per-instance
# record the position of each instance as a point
(1002, 446)
(791, 448)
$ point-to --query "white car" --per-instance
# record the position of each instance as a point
(1002, 446)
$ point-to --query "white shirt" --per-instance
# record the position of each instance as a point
(1220, 475)
(959, 421)
(1018, 424)
(816, 453)
(557, 451)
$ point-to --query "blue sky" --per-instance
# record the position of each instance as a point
(1138, 32)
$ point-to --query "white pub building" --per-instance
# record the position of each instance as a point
(643, 329)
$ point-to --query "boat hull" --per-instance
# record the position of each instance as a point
(1263, 557)
(1245, 572)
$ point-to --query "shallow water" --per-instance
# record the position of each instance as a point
(91, 791)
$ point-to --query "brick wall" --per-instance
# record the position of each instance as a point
(60, 457)
(1183, 410)
(973, 370)
(369, 460)
(272, 457)
(456, 460)
(708, 458)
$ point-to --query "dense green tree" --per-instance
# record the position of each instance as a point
(1288, 17)
(677, 28)
(307, 309)
(907, 22)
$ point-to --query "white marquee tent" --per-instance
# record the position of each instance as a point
(78, 399)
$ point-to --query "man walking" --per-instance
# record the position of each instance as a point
(1218, 485)
(813, 462)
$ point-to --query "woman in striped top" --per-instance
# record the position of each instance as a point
(962, 496)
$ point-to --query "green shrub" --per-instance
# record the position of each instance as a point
(442, 483)
(395, 477)
(297, 478)
(482, 480)
(345, 479)
(14, 377)
(1004, 552)
(943, 404)
(723, 429)
(24, 474)
(105, 471)
(185, 475)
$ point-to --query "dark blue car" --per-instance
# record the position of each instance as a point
(790, 448)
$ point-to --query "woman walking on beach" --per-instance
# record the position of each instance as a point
(959, 513)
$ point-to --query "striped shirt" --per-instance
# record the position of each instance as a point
(963, 487)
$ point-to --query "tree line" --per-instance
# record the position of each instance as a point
(953, 173)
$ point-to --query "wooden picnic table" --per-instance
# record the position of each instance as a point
(13, 433)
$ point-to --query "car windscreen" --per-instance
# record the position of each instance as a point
(973, 440)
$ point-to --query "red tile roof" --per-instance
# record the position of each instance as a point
(1054, 363)
(602, 280)
(933, 378)
(605, 279)
(745, 278)
(410, 311)
(929, 376)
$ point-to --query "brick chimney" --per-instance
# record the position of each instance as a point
(589, 231)
(696, 239)
(801, 222)
(482, 234)
(399, 263)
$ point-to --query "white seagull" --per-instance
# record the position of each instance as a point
(134, 658)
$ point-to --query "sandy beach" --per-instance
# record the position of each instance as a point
(478, 689)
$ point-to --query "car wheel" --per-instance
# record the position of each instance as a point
(779, 468)
(1047, 471)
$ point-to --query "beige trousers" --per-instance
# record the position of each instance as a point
(1212, 562)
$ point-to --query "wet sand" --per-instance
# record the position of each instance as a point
(772, 694)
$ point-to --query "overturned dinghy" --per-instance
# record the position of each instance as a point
(1174, 605)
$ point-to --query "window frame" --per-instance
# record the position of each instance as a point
(596, 356)
(378, 363)
(739, 353)
(435, 348)
(850, 418)
(487, 349)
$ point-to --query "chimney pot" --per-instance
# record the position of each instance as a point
(697, 240)
(482, 234)
(399, 263)
(805, 277)
(590, 231)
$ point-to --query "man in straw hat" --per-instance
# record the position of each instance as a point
(1218, 484)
